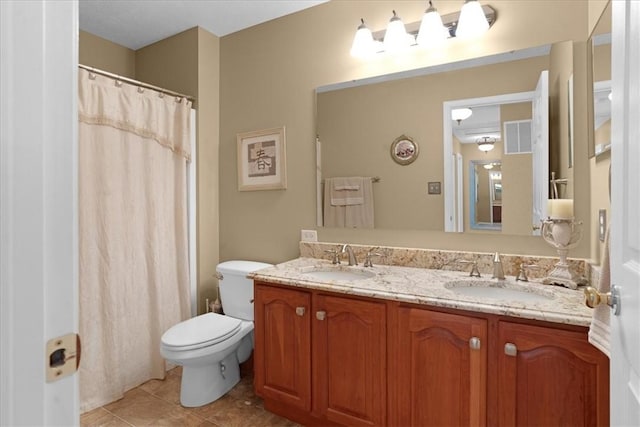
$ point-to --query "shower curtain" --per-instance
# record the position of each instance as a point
(134, 276)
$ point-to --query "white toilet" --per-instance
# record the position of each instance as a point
(211, 346)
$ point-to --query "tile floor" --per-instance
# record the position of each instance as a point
(157, 403)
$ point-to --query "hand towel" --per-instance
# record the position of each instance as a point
(361, 215)
(346, 191)
(349, 215)
(600, 329)
(333, 215)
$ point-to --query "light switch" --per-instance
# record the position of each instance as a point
(433, 188)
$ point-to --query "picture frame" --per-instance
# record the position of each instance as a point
(262, 163)
(404, 150)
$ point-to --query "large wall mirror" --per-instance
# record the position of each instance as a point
(600, 42)
(358, 121)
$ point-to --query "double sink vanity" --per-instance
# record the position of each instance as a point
(415, 341)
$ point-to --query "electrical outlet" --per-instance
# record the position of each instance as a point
(309, 235)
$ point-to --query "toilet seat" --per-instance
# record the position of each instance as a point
(200, 331)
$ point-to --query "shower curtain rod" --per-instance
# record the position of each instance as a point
(135, 82)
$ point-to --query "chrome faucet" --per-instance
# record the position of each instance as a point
(498, 272)
(349, 250)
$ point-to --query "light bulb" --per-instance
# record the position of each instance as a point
(432, 33)
(472, 20)
(396, 38)
(363, 44)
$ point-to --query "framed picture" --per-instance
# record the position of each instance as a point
(262, 161)
(404, 150)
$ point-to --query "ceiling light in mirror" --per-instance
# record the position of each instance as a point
(472, 21)
(460, 114)
(486, 143)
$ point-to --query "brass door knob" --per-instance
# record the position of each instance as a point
(593, 298)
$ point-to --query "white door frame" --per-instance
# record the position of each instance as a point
(38, 206)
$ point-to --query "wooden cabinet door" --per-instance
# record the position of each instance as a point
(440, 378)
(349, 360)
(550, 377)
(283, 345)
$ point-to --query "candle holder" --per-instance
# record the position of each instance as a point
(563, 234)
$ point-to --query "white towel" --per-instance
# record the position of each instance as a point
(352, 216)
(346, 191)
(600, 329)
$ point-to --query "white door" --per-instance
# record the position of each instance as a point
(625, 208)
(38, 207)
(540, 149)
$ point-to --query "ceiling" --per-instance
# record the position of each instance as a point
(138, 23)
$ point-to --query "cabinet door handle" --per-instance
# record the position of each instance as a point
(510, 349)
(320, 315)
(474, 343)
(300, 311)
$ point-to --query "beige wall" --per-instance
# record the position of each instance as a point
(517, 178)
(186, 63)
(268, 76)
(208, 160)
(560, 72)
(99, 53)
(596, 8)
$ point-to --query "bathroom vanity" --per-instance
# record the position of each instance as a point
(410, 346)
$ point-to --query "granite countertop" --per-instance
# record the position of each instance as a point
(434, 288)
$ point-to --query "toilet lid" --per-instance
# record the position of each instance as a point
(201, 331)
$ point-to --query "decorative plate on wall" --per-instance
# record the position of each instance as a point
(404, 150)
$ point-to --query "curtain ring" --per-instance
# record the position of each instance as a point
(118, 83)
(161, 95)
(178, 99)
(92, 76)
(140, 89)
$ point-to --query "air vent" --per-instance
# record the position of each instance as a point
(517, 137)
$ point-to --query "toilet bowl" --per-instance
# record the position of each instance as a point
(210, 347)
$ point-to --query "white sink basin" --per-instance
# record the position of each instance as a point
(498, 291)
(338, 273)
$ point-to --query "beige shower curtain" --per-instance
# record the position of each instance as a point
(134, 276)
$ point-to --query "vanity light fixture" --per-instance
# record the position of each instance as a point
(485, 143)
(431, 31)
(460, 114)
(488, 166)
(472, 21)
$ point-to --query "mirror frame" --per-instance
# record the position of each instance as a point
(591, 137)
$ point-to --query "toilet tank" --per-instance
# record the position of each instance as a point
(236, 291)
